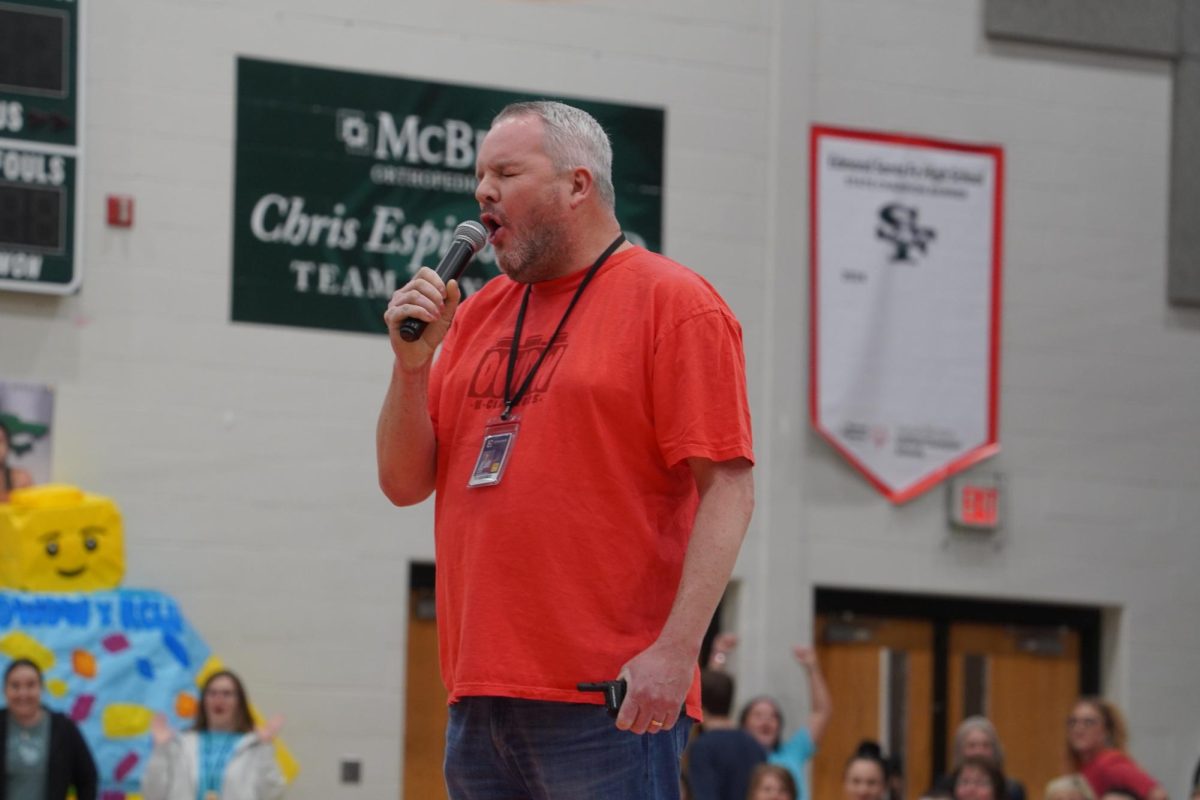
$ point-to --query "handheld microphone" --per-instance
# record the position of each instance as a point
(469, 237)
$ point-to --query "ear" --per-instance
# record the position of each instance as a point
(582, 186)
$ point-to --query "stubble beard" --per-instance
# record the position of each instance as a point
(539, 253)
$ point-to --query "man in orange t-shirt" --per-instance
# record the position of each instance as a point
(587, 433)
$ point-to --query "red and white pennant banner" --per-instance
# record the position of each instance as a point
(905, 300)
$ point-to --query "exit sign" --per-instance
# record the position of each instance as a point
(975, 501)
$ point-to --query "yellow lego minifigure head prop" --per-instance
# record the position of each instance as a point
(58, 538)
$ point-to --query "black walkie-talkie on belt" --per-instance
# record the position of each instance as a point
(614, 693)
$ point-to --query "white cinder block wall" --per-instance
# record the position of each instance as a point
(242, 455)
(1100, 421)
(1100, 404)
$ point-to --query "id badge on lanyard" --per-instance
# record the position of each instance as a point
(499, 435)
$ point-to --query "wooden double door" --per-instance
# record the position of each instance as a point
(908, 681)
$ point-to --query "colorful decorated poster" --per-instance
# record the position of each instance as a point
(111, 658)
(905, 304)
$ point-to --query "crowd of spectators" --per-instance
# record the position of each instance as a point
(752, 758)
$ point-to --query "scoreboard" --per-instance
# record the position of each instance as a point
(40, 135)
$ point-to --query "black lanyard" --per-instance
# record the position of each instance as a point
(510, 399)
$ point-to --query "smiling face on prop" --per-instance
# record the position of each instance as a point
(57, 538)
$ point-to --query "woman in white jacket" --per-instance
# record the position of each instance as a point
(222, 758)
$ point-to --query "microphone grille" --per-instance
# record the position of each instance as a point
(472, 233)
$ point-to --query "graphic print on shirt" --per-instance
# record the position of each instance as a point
(486, 389)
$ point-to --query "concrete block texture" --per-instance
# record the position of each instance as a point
(1144, 27)
(1183, 281)
(1190, 26)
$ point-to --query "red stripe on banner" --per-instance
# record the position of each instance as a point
(813, 288)
(997, 261)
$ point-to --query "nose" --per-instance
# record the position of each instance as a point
(485, 191)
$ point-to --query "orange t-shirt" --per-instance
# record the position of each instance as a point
(569, 566)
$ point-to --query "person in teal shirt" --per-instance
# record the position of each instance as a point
(44, 753)
(762, 717)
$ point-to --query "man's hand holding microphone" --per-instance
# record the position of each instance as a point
(419, 314)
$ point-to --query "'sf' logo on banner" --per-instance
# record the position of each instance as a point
(900, 227)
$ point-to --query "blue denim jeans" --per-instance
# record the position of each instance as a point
(499, 748)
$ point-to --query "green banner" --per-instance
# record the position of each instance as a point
(346, 183)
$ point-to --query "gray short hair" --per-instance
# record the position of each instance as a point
(573, 138)
(978, 723)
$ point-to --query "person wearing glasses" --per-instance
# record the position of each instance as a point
(224, 757)
(1096, 739)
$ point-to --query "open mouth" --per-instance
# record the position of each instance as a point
(493, 224)
(71, 573)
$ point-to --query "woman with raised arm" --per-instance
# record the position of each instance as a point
(762, 718)
(223, 757)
